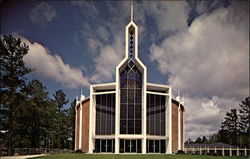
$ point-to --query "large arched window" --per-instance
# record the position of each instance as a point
(130, 99)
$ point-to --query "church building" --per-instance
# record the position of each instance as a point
(130, 115)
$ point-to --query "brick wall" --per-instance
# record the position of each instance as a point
(85, 125)
(175, 126)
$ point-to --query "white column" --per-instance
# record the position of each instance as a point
(238, 153)
(200, 151)
(80, 127)
(223, 151)
(230, 151)
(76, 137)
(215, 151)
(179, 126)
(117, 117)
(245, 151)
(208, 149)
(90, 121)
(169, 149)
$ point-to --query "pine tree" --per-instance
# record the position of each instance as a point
(12, 73)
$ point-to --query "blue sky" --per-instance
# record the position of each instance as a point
(199, 47)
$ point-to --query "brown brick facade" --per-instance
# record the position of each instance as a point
(175, 125)
(85, 126)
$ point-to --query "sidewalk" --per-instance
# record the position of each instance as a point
(21, 157)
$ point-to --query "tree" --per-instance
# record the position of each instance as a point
(244, 115)
(60, 99)
(36, 115)
(198, 140)
(61, 120)
(244, 121)
(12, 79)
(204, 140)
(231, 125)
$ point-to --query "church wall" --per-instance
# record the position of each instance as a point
(174, 127)
(85, 125)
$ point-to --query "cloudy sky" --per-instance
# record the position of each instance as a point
(200, 48)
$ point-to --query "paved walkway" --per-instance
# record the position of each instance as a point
(21, 157)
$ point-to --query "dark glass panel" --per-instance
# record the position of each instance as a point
(131, 95)
(157, 146)
(122, 146)
(108, 127)
(98, 129)
(127, 145)
(131, 111)
(138, 111)
(137, 126)
(123, 95)
(113, 143)
(151, 146)
(123, 127)
(105, 114)
(133, 145)
(131, 127)
(139, 146)
(123, 114)
(103, 145)
(163, 146)
(156, 114)
(109, 145)
(97, 145)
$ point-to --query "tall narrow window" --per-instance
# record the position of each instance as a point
(131, 99)
(156, 114)
(105, 114)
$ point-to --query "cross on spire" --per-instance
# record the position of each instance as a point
(131, 10)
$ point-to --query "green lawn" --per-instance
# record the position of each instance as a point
(111, 156)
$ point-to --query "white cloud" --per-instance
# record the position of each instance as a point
(169, 15)
(42, 14)
(52, 66)
(107, 60)
(93, 45)
(209, 62)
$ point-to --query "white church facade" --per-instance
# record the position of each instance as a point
(130, 115)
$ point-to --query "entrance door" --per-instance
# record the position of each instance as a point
(130, 146)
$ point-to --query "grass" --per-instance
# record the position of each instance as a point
(125, 156)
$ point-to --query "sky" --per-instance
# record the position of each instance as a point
(200, 48)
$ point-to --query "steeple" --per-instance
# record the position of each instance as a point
(131, 10)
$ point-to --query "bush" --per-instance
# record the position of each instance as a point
(180, 152)
(78, 151)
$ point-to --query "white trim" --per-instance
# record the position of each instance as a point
(164, 94)
(159, 85)
(76, 137)
(179, 126)
(108, 92)
(90, 120)
(80, 125)
(169, 150)
(183, 129)
(103, 84)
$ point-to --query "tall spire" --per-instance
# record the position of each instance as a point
(131, 10)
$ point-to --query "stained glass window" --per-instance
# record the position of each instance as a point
(131, 94)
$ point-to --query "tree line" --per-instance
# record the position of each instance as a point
(29, 117)
(234, 129)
